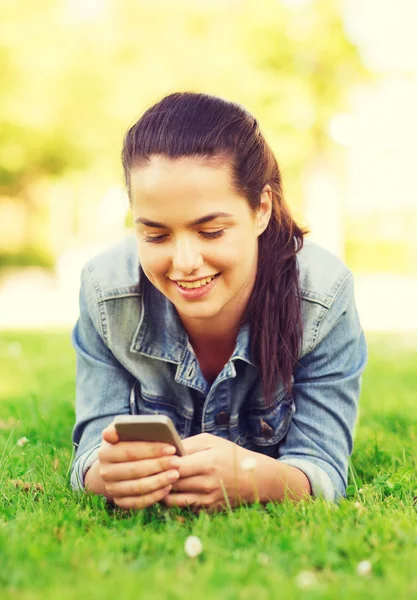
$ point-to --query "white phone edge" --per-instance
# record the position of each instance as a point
(120, 419)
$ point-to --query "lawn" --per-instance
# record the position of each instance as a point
(56, 543)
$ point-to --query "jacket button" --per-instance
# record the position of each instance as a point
(266, 430)
(222, 418)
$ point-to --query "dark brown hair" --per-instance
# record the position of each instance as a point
(190, 124)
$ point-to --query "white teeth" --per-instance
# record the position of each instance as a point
(195, 284)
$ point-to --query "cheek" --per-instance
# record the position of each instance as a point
(153, 262)
(238, 259)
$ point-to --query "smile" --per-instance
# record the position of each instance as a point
(196, 284)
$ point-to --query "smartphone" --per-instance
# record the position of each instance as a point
(148, 428)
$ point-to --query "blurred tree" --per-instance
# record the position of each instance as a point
(76, 74)
(303, 68)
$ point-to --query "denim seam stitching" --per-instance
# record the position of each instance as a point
(95, 288)
(101, 308)
(111, 293)
(329, 297)
(339, 290)
(337, 287)
(315, 331)
(311, 297)
(179, 410)
(115, 296)
(339, 284)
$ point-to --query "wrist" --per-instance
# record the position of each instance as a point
(94, 482)
(277, 481)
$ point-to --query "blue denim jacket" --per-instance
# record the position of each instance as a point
(134, 356)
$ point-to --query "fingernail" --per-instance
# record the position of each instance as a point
(169, 450)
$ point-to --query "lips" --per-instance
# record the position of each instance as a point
(193, 280)
(196, 283)
(197, 292)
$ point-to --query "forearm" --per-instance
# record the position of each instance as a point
(278, 481)
(94, 482)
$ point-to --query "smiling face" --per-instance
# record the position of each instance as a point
(191, 225)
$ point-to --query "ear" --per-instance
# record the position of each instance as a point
(264, 210)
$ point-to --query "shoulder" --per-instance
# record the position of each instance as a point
(326, 290)
(115, 271)
(321, 274)
(110, 291)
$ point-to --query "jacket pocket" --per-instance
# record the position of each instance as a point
(262, 429)
(143, 403)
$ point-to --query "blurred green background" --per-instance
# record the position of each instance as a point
(333, 84)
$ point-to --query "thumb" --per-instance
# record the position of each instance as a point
(197, 443)
(110, 434)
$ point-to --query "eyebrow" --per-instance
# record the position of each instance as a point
(198, 221)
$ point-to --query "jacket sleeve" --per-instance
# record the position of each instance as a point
(326, 391)
(103, 386)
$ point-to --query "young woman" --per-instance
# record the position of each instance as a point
(217, 313)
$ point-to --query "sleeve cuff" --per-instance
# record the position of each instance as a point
(81, 466)
(321, 484)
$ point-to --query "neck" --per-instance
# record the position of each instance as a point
(219, 333)
(211, 337)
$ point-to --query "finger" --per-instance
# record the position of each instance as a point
(143, 486)
(195, 443)
(131, 451)
(196, 485)
(109, 434)
(138, 502)
(139, 468)
(187, 500)
(195, 464)
(195, 502)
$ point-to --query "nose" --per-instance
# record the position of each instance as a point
(187, 257)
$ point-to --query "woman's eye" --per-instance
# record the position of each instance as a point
(212, 234)
(157, 239)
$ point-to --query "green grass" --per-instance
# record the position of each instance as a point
(56, 543)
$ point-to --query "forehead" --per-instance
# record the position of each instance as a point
(186, 180)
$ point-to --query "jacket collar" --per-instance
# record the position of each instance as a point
(161, 334)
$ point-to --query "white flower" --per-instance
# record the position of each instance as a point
(248, 464)
(364, 568)
(193, 546)
(358, 505)
(22, 441)
(306, 579)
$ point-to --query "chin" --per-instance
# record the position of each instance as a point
(198, 312)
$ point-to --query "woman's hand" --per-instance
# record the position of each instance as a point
(213, 468)
(136, 474)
